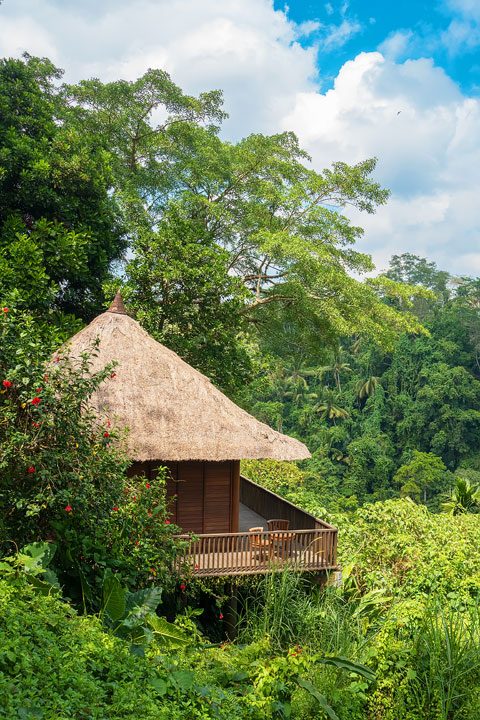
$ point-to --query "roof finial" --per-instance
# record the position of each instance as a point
(117, 305)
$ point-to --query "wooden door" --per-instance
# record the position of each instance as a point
(190, 495)
(218, 478)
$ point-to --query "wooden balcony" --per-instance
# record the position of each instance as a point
(309, 544)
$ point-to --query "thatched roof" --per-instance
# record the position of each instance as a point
(172, 411)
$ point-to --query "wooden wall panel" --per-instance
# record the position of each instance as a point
(190, 496)
(204, 496)
(217, 503)
(235, 502)
(139, 468)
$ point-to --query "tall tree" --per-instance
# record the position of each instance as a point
(60, 226)
(269, 227)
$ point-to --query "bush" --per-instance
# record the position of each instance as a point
(62, 470)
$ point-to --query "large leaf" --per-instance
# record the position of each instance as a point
(166, 634)
(160, 685)
(182, 679)
(321, 699)
(346, 664)
(147, 599)
(113, 603)
(36, 557)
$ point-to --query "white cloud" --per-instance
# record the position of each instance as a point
(409, 114)
(463, 32)
(22, 33)
(460, 35)
(396, 44)
(467, 8)
(424, 132)
(241, 46)
(338, 35)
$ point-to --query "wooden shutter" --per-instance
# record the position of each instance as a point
(218, 478)
(190, 496)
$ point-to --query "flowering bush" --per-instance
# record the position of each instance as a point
(62, 472)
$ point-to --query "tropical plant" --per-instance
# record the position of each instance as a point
(366, 388)
(131, 616)
(328, 409)
(465, 497)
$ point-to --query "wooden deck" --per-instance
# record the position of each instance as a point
(249, 518)
(238, 554)
(309, 545)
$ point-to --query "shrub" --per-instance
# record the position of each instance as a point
(62, 471)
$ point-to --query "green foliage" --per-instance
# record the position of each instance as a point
(276, 475)
(465, 497)
(233, 238)
(410, 552)
(60, 227)
(63, 470)
(131, 616)
(33, 560)
(446, 663)
(366, 414)
(422, 476)
(182, 293)
(92, 673)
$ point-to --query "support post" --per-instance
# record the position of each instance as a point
(231, 613)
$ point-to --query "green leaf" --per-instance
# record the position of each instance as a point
(167, 635)
(159, 685)
(35, 558)
(321, 699)
(148, 599)
(183, 679)
(346, 664)
(113, 603)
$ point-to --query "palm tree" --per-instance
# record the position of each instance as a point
(336, 368)
(327, 408)
(366, 389)
(465, 497)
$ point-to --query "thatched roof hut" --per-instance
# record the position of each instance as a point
(172, 411)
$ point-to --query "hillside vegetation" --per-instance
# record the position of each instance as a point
(239, 257)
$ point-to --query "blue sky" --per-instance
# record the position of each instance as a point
(424, 22)
(354, 79)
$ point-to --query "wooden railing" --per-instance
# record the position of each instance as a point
(250, 553)
(270, 505)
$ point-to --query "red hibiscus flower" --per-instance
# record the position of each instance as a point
(167, 521)
(36, 401)
(115, 509)
(148, 486)
(183, 587)
(68, 508)
(106, 434)
(31, 469)
(7, 384)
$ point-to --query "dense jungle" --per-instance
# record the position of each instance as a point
(242, 259)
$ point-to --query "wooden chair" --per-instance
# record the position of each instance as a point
(258, 545)
(278, 525)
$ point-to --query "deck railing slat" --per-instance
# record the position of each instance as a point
(236, 554)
